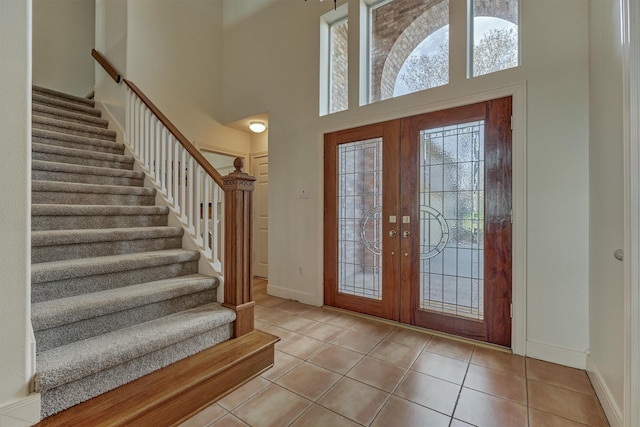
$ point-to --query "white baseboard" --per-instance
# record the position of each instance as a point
(21, 413)
(611, 409)
(291, 294)
(554, 354)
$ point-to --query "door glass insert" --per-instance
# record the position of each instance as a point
(360, 218)
(451, 200)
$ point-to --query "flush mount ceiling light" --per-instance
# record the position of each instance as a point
(334, 3)
(257, 127)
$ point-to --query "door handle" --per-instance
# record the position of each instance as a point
(392, 233)
(406, 234)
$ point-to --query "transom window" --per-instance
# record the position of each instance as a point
(406, 47)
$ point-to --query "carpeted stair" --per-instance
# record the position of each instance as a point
(114, 295)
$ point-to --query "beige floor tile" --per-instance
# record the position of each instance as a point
(356, 341)
(400, 412)
(372, 327)
(357, 401)
(281, 333)
(409, 337)
(318, 314)
(294, 307)
(244, 393)
(499, 360)
(272, 407)
(543, 419)
(497, 383)
(445, 368)
(377, 373)
(229, 421)
(283, 363)
(429, 391)
(267, 300)
(336, 359)
(562, 376)
(395, 353)
(573, 405)
(484, 410)
(318, 416)
(205, 417)
(342, 320)
(323, 331)
(458, 423)
(450, 348)
(301, 346)
(309, 380)
(296, 323)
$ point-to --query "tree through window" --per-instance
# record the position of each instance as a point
(409, 43)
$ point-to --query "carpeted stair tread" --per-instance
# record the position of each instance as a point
(62, 104)
(66, 237)
(74, 361)
(43, 170)
(71, 128)
(61, 95)
(47, 137)
(67, 217)
(91, 210)
(74, 155)
(74, 268)
(51, 245)
(57, 245)
(57, 113)
(50, 314)
(74, 187)
(73, 168)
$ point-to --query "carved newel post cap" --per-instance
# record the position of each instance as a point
(238, 163)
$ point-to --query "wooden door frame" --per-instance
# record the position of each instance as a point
(253, 159)
(518, 92)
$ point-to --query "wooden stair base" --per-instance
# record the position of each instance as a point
(173, 394)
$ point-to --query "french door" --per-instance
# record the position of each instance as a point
(418, 220)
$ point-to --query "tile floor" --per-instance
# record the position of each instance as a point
(333, 369)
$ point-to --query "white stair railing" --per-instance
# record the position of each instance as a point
(191, 187)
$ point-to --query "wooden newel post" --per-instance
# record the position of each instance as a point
(238, 211)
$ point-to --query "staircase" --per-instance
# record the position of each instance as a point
(114, 295)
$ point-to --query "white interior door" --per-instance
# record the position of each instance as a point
(260, 169)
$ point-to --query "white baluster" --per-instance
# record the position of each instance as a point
(183, 186)
(163, 161)
(190, 193)
(207, 216)
(196, 206)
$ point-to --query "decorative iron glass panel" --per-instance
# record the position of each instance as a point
(359, 218)
(452, 219)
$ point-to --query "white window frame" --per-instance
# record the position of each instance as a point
(327, 20)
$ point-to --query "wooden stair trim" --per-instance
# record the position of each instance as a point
(175, 393)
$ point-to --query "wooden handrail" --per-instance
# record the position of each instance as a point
(238, 202)
(106, 65)
(195, 153)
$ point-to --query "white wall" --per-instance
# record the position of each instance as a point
(15, 192)
(63, 36)
(111, 42)
(606, 308)
(282, 41)
(174, 52)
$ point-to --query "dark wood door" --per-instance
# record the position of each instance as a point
(361, 191)
(418, 220)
